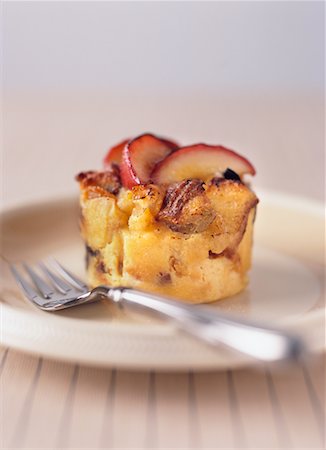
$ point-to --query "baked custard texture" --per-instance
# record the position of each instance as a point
(190, 239)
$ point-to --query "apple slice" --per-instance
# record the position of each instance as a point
(114, 154)
(200, 161)
(140, 156)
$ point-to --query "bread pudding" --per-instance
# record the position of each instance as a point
(167, 219)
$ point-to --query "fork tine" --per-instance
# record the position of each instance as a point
(59, 283)
(28, 290)
(41, 285)
(68, 276)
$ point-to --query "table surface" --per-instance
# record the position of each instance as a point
(53, 404)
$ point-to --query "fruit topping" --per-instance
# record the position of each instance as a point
(140, 156)
(200, 161)
(229, 174)
(114, 154)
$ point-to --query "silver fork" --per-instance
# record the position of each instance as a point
(58, 289)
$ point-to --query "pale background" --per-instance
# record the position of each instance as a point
(79, 76)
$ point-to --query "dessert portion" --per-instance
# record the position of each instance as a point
(168, 219)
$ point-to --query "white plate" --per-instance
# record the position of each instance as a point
(285, 290)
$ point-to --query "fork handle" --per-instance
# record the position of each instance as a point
(255, 340)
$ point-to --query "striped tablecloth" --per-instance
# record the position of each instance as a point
(51, 404)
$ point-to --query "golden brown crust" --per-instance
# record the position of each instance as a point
(237, 207)
(186, 208)
(144, 191)
(192, 241)
(108, 180)
(217, 181)
(179, 194)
